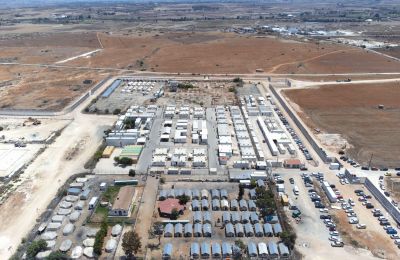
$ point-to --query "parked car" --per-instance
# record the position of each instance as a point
(337, 244)
(291, 180)
(361, 226)
(334, 233)
(387, 194)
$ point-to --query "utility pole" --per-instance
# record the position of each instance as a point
(370, 160)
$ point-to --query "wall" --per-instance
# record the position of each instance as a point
(321, 153)
(390, 208)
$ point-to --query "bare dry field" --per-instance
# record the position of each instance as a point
(231, 53)
(351, 110)
(170, 52)
(392, 51)
(45, 89)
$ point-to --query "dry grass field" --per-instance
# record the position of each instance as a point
(214, 52)
(45, 89)
(352, 111)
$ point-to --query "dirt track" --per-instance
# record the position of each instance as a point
(351, 110)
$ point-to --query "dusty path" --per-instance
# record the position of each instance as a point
(274, 68)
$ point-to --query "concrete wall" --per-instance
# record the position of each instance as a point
(391, 209)
(321, 153)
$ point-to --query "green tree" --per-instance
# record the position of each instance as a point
(183, 199)
(126, 161)
(241, 192)
(131, 243)
(116, 159)
(174, 214)
(35, 247)
(132, 172)
(288, 238)
(162, 180)
(57, 256)
(99, 239)
(117, 111)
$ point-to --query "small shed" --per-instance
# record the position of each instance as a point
(207, 231)
(167, 251)
(239, 230)
(254, 217)
(226, 217)
(169, 230)
(243, 205)
(253, 194)
(258, 230)
(262, 249)
(272, 219)
(215, 194)
(252, 205)
(207, 218)
(229, 230)
(224, 204)
(195, 250)
(260, 183)
(235, 217)
(171, 194)
(226, 249)
(273, 249)
(268, 232)
(216, 250)
(198, 230)
(204, 204)
(248, 230)
(252, 249)
(277, 229)
(215, 204)
(178, 230)
(188, 230)
(224, 194)
(234, 205)
(245, 217)
(205, 250)
(283, 250)
(204, 194)
(188, 193)
(195, 205)
(179, 192)
(195, 194)
(197, 217)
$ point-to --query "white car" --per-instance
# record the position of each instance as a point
(353, 220)
(394, 236)
(375, 210)
(361, 226)
(324, 210)
(397, 242)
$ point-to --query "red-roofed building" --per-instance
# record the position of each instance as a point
(292, 163)
(165, 207)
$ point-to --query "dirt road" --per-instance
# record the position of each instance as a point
(46, 174)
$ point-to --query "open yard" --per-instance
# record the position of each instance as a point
(352, 111)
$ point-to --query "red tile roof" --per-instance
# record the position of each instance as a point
(168, 205)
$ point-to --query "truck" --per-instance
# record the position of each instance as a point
(93, 202)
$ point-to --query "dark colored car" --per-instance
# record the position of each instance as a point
(387, 194)
(325, 217)
(358, 191)
(365, 168)
(384, 169)
(369, 206)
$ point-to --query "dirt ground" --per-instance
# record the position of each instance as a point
(45, 89)
(189, 52)
(392, 51)
(352, 111)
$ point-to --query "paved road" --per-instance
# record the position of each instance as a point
(152, 143)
